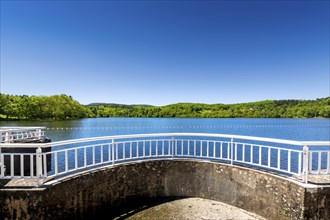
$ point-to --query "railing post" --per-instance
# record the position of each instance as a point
(173, 147)
(232, 151)
(7, 138)
(39, 133)
(113, 151)
(39, 166)
(2, 166)
(305, 164)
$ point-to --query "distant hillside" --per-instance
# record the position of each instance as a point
(63, 107)
(261, 109)
(116, 105)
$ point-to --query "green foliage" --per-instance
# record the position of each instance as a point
(57, 107)
(62, 107)
(263, 109)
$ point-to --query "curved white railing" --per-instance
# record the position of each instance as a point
(60, 158)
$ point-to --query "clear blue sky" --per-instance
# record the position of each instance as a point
(163, 52)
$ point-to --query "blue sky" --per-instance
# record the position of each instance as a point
(163, 52)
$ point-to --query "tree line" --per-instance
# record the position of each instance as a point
(56, 107)
(62, 107)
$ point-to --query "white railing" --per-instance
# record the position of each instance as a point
(66, 157)
(12, 134)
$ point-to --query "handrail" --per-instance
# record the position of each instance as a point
(77, 154)
(102, 138)
(20, 128)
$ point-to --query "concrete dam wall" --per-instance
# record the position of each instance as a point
(110, 190)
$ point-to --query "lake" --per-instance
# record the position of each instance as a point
(291, 129)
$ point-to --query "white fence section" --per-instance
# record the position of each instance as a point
(50, 160)
(12, 134)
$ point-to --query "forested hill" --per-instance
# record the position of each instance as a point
(263, 109)
(60, 107)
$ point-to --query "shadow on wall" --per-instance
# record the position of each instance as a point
(133, 206)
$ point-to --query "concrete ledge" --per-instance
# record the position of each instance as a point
(111, 190)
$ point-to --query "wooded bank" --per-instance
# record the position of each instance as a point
(62, 107)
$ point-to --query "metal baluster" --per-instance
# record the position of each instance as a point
(289, 160)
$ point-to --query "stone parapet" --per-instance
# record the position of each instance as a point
(111, 190)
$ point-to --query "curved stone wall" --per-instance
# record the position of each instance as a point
(112, 190)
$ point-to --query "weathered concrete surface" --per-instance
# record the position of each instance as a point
(193, 209)
(317, 203)
(114, 190)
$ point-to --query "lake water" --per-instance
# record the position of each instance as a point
(291, 129)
